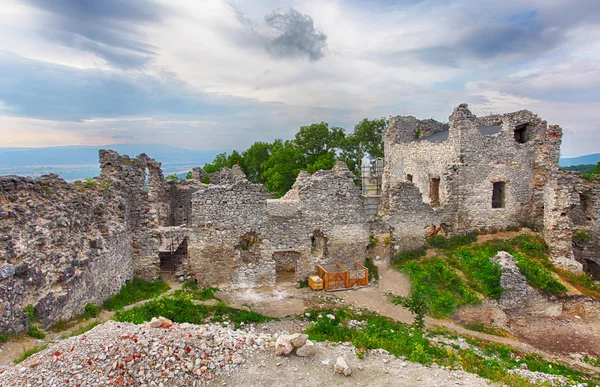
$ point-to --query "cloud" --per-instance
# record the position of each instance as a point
(293, 34)
(124, 137)
(107, 28)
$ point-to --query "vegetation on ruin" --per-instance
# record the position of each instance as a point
(35, 332)
(462, 271)
(90, 183)
(206, 180)
(488, 360)
(582, 236)
(183, 306)
(31, 351)
(188, 175)
(593, 175)
(172, 177)
(373, 270)
(133, 291)
(316, 146)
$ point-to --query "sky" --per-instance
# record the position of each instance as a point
(217, 74)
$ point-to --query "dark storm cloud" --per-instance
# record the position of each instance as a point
(293, 34)
(107, 28)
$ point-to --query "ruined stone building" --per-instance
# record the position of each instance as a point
(63, 245)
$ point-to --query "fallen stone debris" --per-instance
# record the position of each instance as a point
(126, 354)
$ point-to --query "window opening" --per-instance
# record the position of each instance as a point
(434, 192)
(499, 195)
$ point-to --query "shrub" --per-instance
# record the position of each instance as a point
(189, 175)
(373, 270)
(35, 332)
(373, 241)
(206, 180)
(303, 283)
(91, 311)
(134, 291)
(582, 236)
(30, 313)
(90, 183)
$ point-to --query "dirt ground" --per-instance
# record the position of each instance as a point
(375, 369)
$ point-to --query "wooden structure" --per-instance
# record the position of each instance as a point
(315, 282)
(340, 277)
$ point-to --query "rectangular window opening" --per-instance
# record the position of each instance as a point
(521, 135)
(434, 192)
(499, 195)
(409, 178)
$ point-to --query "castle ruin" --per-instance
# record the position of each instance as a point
(63, 245)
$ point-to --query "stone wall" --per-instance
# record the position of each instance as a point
(454, 167)
(239, 235)
(67, 245)
(63, 245)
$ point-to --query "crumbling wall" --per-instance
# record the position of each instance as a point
(571, 222)
(475, 173)
(239, 234)
(63, 245)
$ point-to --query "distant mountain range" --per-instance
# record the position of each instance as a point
(78, 162)
(579, 160)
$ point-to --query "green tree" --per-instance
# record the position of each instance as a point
(189, 175)
(253, 160)
(367, 139)
(318, 142)
(282, 167)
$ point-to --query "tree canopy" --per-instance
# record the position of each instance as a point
(314, 147)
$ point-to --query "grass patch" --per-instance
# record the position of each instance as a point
(35, 332)
(134, 291)
(442, 289)
(90, 311)
(303, 283)
(582, 236)
(582, 282)
(180, 307)
(81, 330)
(441, 242)
(538, 276)
(373, 270)
(25, 354)
(592, 361)
(407, 255)
(490, 361)
(483, 275)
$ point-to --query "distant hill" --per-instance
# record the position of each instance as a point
(580, 160)
(77, 162)
(581, 167)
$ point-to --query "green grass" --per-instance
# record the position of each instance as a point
(35, 332)
(180, 307)
(442, 288)
(592, 361)
(373, 270)
(490, 361)
(90, 311)
(134, 291)
(582, 236)
(30, 313)
(25, 354)
(81, 330)
(441, 242)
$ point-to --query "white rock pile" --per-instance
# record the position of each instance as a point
(126, 354)
(286, 344)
